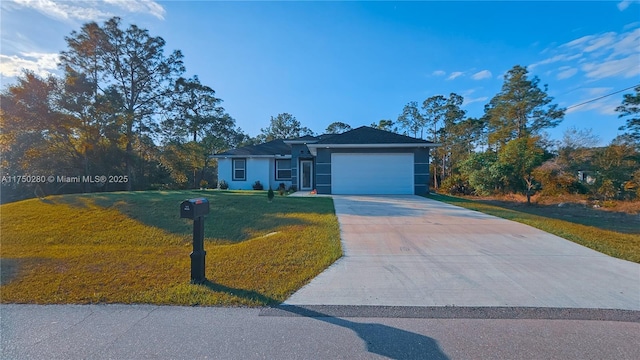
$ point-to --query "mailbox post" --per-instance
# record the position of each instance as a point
(196, 209)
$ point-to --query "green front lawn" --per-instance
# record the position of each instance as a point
(614, 243)
(133, 248)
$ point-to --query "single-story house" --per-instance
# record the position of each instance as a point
(360, 161)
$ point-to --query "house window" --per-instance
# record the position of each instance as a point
(283, 169)
(239, 169)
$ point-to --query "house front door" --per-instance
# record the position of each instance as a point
(306, 175)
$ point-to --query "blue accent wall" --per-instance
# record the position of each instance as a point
(421, 171)
(298, 152)
(323, 171)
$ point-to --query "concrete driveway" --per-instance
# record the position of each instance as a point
(412, 251)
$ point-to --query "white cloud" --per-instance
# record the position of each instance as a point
(600, 42)
(468, 101)
(17, 42)
(468, 92)
(554, 59)
(604, 106)
(67, 10)
(616, 44)
(42, 64)
(597, 91)
(455, 74)
(628, 43)
(140, 6)
(596, 56)
(579, 41)
(623, 5)
(484, 74)
(92, 10)
(626, 67)
(438, 73)
(565, 74)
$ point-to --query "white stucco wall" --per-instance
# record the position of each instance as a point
(257, 170)
(224, 170)
(261, 169)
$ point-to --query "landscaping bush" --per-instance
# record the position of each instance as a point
(456, 185)
(258, 186)
(223, 185)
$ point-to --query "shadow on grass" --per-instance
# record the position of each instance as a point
(449, 199)
(8, 270)
(234, 216)
(577, 214)
(241, 293)
(74, 201)
(570, 212)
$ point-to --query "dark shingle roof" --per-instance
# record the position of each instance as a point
(325, 136)
(274, 147)
(304, 138)
(362, 135)
(368, 135)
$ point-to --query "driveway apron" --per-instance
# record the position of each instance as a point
(411, 251)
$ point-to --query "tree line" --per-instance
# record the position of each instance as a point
(123, 107)
(506, 150)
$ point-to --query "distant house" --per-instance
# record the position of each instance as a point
(586, 177)
(360, 161)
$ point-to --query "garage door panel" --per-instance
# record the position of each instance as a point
(359, 173)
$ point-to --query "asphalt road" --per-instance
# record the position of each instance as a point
(167, 332)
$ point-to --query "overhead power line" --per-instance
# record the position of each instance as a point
(601, 97)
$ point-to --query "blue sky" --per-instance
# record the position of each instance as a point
(359, 62)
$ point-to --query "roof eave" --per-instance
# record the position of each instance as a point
(313, 148)
(390, 145)
(224, 156)
(299, 142)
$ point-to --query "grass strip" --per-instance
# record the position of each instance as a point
(616, 244)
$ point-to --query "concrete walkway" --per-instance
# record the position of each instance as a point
(412, 251)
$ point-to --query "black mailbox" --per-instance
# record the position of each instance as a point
(194, 208)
